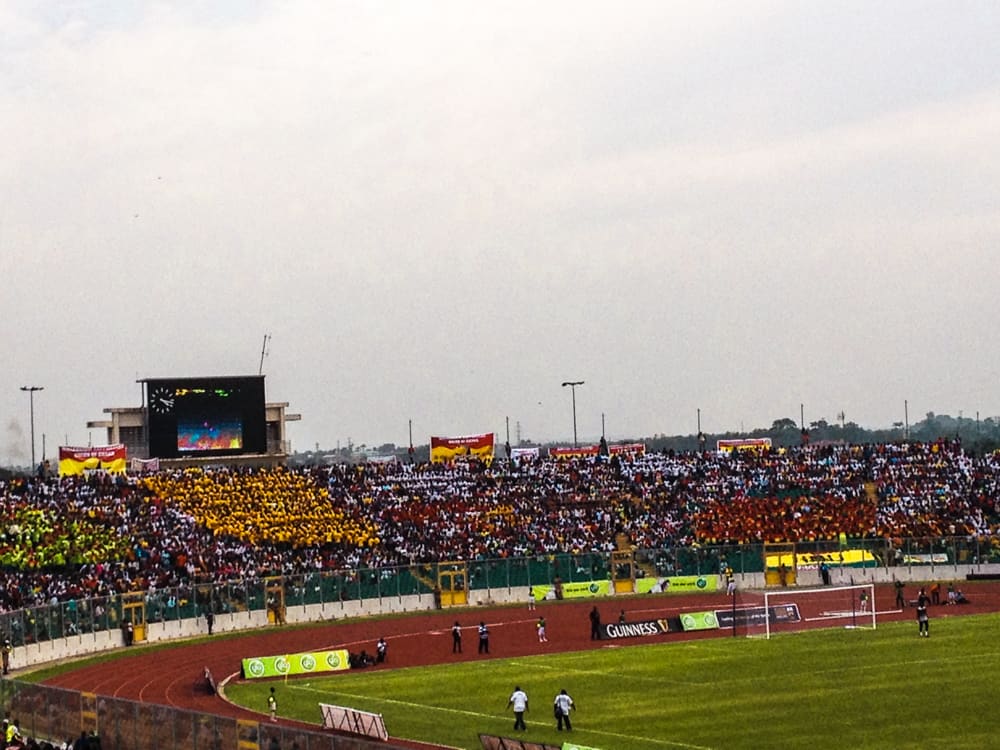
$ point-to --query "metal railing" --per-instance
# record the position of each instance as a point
(96, 614)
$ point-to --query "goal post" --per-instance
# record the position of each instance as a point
(793, 610)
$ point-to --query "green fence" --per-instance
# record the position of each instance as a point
(98, 614)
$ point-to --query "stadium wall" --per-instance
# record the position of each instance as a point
(85, 644)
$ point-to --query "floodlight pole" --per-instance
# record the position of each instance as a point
(30, 390)
(572, 385)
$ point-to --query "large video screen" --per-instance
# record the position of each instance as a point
(221, 416)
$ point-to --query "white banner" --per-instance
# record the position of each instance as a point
(140, 465)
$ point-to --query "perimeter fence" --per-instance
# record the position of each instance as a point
(104, 613)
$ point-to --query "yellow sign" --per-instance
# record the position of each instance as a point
(848, 558)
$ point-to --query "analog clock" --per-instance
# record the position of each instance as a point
(162, 400)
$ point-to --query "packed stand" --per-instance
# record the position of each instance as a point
(65, 539)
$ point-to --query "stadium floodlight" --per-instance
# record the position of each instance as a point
(30, 390)
(572, 385)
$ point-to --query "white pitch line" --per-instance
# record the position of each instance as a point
(480, 715)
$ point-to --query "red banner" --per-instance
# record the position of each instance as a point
(109, 458)
(445, 449)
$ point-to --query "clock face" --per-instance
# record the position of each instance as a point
(162, 400)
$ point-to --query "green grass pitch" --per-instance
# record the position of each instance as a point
(854, 689)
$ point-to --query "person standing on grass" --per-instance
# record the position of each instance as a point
(562, 705)
(456, 638)
(923, 621)
(272, 705)
(519, 702)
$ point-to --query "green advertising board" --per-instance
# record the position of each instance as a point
(584, 589)
(679, 584)
(578, 590)
(295, 664)
(699, 621)
(572, 746)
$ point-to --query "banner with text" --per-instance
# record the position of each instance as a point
(639, 629)
(140, 465)
(582, 451)
(680, 584)
(848, 558)
(524, 454)
(444, 449)
(293, 664)
(583, 589)
(757, 616)
(109, 458)
(579, 590)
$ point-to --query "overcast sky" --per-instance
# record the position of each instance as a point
(440, 211)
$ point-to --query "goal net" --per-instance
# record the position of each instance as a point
(763, 614)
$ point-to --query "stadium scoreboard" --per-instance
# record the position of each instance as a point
(215, 416)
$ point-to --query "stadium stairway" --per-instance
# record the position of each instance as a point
(623, 543)
(424, 574)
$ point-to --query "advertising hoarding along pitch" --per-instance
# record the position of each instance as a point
(309, 662)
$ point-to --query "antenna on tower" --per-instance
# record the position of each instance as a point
(263, 353)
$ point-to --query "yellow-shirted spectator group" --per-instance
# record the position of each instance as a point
(274, 505)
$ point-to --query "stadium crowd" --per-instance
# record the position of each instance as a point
(72, 537)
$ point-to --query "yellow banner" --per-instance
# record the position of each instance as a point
(445, 449)
(850, 558)
(109, 458)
